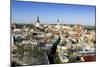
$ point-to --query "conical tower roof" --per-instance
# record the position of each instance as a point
(38, 20)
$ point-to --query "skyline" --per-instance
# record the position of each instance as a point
(27, 12)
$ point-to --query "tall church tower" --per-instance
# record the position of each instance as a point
(58, 21)
(37, 22)
(58, 26)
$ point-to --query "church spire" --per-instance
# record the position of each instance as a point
(38, 20)
(58, 20)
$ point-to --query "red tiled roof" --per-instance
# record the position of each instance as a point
(89, 58)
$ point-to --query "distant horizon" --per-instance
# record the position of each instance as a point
(27, 12)
(55, 23)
